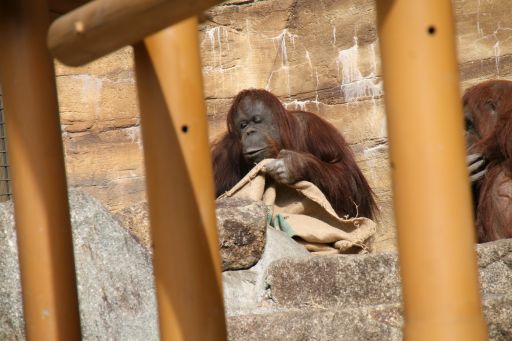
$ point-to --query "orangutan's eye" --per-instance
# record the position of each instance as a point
(469, 124)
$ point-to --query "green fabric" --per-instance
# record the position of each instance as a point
(280, 223)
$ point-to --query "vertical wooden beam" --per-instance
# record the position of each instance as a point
(430, 181)
(39, 180)
(180, 186)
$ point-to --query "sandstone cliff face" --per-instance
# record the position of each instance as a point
(320, 56)
(100, 123)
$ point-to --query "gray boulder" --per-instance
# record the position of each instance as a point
(242, 228)
(114, 275)
(495, 265)
(335, 280)
(11, 313)
(245, 291)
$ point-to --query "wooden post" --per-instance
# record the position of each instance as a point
(436, 236)
(39, 181)
(179, 183)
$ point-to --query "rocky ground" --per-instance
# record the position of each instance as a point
(277, 292)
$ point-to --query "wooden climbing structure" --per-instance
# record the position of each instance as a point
(432, 199)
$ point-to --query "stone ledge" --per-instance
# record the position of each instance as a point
(373, 279)
(382, 322)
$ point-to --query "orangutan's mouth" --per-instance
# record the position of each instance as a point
(253, 152)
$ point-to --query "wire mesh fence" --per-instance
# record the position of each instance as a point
(5, 180)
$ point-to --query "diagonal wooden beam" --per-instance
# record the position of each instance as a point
(103, 26)
(180, 185)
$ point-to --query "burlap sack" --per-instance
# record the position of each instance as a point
(304, 213)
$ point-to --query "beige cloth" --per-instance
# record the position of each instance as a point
(304, 213)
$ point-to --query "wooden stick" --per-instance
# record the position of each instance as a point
(103, 26)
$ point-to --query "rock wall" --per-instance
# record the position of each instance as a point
(321, 56)
(101, 133)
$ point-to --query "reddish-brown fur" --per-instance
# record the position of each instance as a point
(325, 157)
(490, 104)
